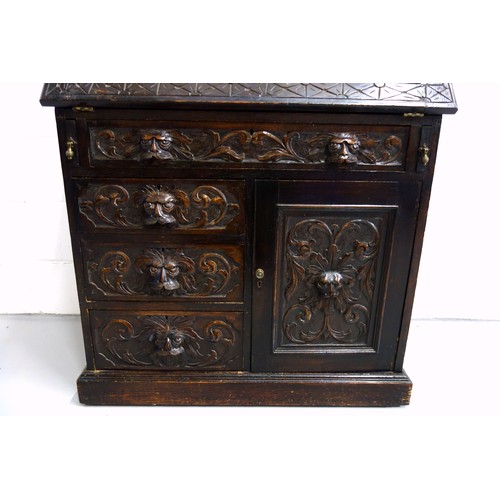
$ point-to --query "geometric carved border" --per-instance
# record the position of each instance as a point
(401, 93)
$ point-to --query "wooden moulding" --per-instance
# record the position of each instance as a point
(111, 387)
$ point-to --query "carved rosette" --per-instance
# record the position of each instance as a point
(172, 341)
(164, 272)
(136, 207)
(343, 148)
(331, 273)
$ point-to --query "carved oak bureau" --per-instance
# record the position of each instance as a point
(247, 244)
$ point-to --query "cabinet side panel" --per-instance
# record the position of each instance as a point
(432, 136)
(67, 131)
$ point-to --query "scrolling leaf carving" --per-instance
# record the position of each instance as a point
(364, 148)
(161, 144)
(163, 272)
(174, 342)
(143, 144)
(200, 207)
(280, 149)
(331, 272)
(219, 149)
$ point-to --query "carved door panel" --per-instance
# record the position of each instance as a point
(335, 258)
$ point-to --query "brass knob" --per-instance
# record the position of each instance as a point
(70, 154)
(259, 273)
(424, 154)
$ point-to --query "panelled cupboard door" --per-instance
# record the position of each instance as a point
(324, 252)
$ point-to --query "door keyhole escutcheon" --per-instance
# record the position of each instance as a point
(259, 274)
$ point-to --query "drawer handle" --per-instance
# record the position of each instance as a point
(70, 154)
(424, 154)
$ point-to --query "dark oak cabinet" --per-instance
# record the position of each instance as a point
(247, 244)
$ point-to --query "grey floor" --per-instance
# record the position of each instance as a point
(453, 365)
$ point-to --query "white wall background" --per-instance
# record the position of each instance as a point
(459, 274)
(36, 268)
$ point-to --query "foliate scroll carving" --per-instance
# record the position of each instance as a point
(164, 272)
(346, 147)
(160, 144)
(219, 146)
(106, 204)
(273, 148)
(139, 206)
(173, 341)
(331, 273)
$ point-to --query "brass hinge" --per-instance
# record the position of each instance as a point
(83, 109)
(413, 115)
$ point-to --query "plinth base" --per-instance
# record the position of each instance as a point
(110, 387)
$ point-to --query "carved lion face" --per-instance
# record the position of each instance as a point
(333, 284)
(330, 283)
(163, 275)
(171, 337)
(168, 342)
(343, 148)
(157, 145)
(158, 205)
(161, 270)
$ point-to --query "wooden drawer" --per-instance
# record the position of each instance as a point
(161, 206)
(173, 340)
(153, 272)
(140, 145)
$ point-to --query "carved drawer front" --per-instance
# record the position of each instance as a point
(173, 340)
(163, 273)
(162, 207)
(328, 145)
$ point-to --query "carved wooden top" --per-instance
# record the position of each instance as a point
(431, 98)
